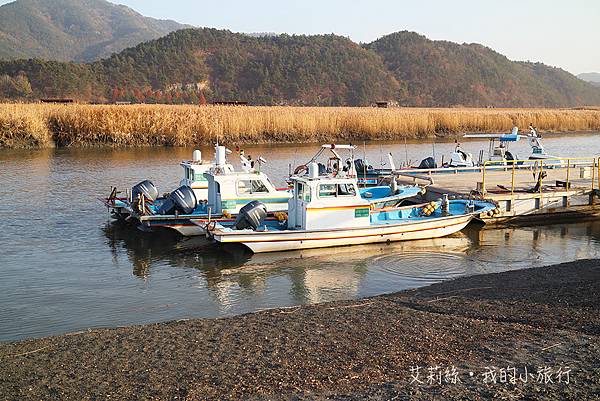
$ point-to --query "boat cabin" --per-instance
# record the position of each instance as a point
(326, 201)
(193, 172)
(230, 190)
(498, 147)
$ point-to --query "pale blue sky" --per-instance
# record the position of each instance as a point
(560, 33)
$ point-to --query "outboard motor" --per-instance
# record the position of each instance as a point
(361, 166)
(510, 158)
(251, 216)
(322, 169)
(428, 163)
(182, 200)
(146, 188)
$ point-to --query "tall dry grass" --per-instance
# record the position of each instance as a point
(138, 125)
(24, 126)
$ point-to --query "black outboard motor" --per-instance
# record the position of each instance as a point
(428, 163)
(322, 169)
(182, 200)
(361, 166)
(251, 216)
(146, 188)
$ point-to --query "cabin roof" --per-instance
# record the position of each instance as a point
(334, 146)
(326, 179)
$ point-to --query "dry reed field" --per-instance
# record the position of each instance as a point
(43, 125)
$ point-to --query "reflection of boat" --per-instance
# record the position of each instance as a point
(143, 250)
(327, 210)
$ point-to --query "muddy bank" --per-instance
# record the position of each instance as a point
(545, 320)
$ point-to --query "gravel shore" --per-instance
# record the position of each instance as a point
(470, 338)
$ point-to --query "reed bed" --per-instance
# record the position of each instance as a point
(39, 125)
(24, 126)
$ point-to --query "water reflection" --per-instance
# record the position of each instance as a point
(65, 267)
(319, 275)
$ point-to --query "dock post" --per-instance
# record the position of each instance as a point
(593, 192)
(483, 178)
(568, 173)
(541, 183)
(598, 160)
(512, 181)
(593, 174)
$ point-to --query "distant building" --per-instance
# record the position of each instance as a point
(231, 103)
(57, 100)
(385, 104)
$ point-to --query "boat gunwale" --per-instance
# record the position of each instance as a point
(221, 233)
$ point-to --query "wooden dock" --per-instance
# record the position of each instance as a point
(567, 189)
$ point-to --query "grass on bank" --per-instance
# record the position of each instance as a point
(41, 125)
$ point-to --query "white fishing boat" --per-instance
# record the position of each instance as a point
(537, 149)
(120, 205)
(228, 191)
(498, 147)
(460, 158)
(225, 192)
(499, 143)
(328, 210)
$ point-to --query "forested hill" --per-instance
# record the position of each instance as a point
(219, 65)
(194, 65)
(81, 30)
(445, 73)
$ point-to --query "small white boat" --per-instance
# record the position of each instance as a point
(498, 147)
(327, 211)
(537, 149)
(121, 208)
(225, 192)
(498, 151)
(460, 158)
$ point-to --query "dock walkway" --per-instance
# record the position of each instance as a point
(563, 189)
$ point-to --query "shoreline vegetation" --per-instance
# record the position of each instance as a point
(545, 320)
(47, 125)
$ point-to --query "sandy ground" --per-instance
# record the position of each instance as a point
(470, 338)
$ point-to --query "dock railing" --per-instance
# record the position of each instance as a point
(589, 168)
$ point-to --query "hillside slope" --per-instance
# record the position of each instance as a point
(78, 30)
(441, 73)
(191, 65)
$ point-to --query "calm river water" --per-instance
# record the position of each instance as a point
(64, 266)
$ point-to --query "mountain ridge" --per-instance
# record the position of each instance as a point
(192, 65)
(74, 30)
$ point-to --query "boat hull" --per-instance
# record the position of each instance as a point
(274, 241)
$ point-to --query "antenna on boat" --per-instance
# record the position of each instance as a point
(365, 164)
(260, 161)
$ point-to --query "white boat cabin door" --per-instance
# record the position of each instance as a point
(302, 194)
